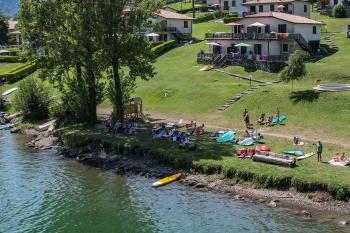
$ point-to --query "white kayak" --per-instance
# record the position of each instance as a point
(9, 91)
(341, 164)
(46, 126)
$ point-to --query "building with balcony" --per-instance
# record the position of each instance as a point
(13, 31)
(295, 7)
(168, 25)
(263, 37)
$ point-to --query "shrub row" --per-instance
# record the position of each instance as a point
(19, 73)
(164, 47)
(11, 59)
(154, 44)
(229, 19)
(206, 17)
(197, 8)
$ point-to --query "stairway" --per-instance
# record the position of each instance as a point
(303, 43)
(331, 44)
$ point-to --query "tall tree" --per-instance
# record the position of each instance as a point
(3, 29)
(193, 10)
(66, 29)
(296, 68)
(124, 48)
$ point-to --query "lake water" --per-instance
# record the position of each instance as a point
(41, 192)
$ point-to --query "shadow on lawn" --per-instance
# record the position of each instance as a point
(325, 51)
(304, 96)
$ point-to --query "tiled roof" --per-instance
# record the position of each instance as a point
(284, 16)
(172, 15)
(254, 2)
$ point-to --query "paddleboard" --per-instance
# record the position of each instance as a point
(305, 156)
(294, 152)
(10, 91)
(341, 164)
(167, 180)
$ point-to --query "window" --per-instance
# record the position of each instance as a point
(252, 9)
(272, 7)
(257, 48)
(285, 48)
(282, 28)
(261, 8)
(185, 24)
(305, 8)
(233, 3)
(267, 28)
(314, 30)
(258, 30)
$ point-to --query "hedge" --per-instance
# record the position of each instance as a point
(207, 17)
(19, 73)
(11, 59)
(164, 47)
(198, 8)
(229, 19)
(154, 44)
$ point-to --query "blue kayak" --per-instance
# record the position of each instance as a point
(280, 119)
(7, 126)
(294, 152)
(227, 137)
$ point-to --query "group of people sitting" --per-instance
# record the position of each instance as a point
(193, 129)
(129, 127)
(340, 158)
(270, 120)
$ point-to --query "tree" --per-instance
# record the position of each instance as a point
(32, 98)
(193, 10)
(124, 49)
(339, 11)
(3, 29)
(296, 68)
(66, 29)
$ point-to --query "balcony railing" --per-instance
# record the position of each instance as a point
(252, 36)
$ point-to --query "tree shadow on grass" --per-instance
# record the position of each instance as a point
(325, 51)
(304, 96)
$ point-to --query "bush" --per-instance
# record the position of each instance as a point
(19, 73)
(197, 8)
(207, 17)
(162, 48)
(154, 44)
(339, 11)
(229, 19)
(32, 98)
(11, 59)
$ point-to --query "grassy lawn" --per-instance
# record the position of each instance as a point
(6, 67)
(211, 155)
(185, 5)
(200, 29)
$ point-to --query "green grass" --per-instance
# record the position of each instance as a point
(185, 5)
(211, 156)
(200, 29)
(6, 67)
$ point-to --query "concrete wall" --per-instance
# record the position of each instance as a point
(299, 9)
(306, 30)
(179, 24)
(273, 22)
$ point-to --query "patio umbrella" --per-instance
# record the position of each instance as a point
(280, 7)
(233, 24)
(257, 24)
(4, 51)
(152, 34)
(242, 45)
(214, 44)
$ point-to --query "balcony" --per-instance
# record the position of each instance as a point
(251, 36)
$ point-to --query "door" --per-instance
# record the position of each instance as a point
(257, 49)
(252, 9)
(282, 28)
(226, 5)
(243, 50)
(217, 49)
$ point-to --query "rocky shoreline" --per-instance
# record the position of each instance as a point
(317, 205)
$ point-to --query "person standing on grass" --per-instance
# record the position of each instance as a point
(319, 148)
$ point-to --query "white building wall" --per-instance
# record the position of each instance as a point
(306, 30)
(238, 8)
(334, 2)
(299, 9)
(179, 24)
(273, 22)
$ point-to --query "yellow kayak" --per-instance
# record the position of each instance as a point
(167, 180)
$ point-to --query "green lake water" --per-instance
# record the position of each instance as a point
(42, 192)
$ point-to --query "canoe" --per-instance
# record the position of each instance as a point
(294, 152)
(9, 91)
(8, 126)
(46, 126)
(246, 142)
(305, 156)
(167, 180)
(276, 159)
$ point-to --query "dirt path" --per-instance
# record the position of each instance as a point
(160, 118)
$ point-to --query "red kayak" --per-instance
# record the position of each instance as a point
(262, 148)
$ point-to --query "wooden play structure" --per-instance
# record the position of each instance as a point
(133, 110)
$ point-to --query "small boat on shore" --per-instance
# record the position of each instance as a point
(305, 156)
(46, 126)
(277, 159)
(9, 91)
(167, 180)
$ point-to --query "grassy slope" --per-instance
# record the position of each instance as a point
(185, 5)
(6, 67)
(177, 70)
